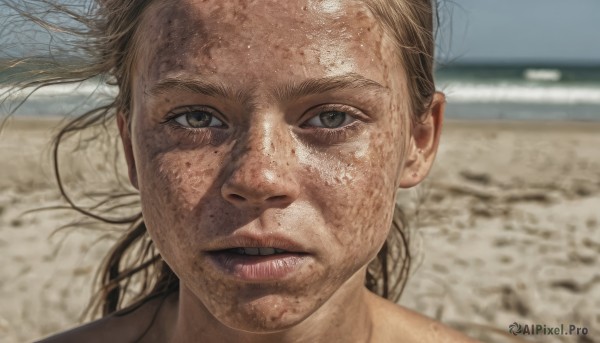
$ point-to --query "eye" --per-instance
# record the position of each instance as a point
(197, 117)
(331, 119)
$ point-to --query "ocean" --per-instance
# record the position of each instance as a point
(474, 92)
(521, 92)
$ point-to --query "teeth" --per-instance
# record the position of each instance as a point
(258, 251)
(266, 251)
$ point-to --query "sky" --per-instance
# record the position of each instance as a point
(505, 31)
(546, 31)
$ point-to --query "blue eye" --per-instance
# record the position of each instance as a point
(331, 119)
(198, 118)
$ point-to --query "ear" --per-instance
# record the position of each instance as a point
(125, 131)
(424, 141)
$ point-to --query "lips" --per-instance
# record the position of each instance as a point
(256, 251)
(253, 244)
(258, 259)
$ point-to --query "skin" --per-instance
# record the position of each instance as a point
(270, 169)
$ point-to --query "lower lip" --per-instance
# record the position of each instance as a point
(259, 268)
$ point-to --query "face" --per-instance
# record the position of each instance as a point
(260, 128)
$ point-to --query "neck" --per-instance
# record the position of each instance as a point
(342, 318)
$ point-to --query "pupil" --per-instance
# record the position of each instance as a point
(198, 118)
(333, 118)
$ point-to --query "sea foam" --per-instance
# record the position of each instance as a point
(521, 93)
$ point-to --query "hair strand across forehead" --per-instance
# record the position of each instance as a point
(411, 25)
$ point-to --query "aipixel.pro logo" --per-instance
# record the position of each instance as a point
(542, 329)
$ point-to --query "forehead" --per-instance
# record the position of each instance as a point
(263, 42)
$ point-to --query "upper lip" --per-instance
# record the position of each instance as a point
(256, 241)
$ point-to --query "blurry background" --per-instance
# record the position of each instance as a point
(512, 59)
(505, 229)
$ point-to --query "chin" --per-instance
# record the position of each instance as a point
(268, 313)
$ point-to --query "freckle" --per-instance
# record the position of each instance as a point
(293, 151)
(188, 164)
(216, 151)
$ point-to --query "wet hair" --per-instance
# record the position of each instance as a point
(133, 271)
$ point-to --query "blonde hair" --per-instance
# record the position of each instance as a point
(108, 40)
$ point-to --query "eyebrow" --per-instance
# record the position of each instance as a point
(199, 86)
(282, 92)
(327, 84)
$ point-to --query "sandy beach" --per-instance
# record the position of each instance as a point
(505, 229)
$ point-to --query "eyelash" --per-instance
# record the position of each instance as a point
(190, 133)
(326, 134)
(171, 118)
(336, 134)
(339, 134)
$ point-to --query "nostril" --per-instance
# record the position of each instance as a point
(277, 198)
(236, 197)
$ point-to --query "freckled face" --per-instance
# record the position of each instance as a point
(290, 125)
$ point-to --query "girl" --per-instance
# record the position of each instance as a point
(267, 140)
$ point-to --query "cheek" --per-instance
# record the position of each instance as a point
(172, 184)
(355, 193)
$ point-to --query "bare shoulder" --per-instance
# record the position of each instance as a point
(398, 324)
(129, 326)
(108, 329)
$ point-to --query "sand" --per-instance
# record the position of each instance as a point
(505, 230)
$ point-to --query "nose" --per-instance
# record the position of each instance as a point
(261, 173)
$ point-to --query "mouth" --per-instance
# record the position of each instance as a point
(252, 251)
(258, 263)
